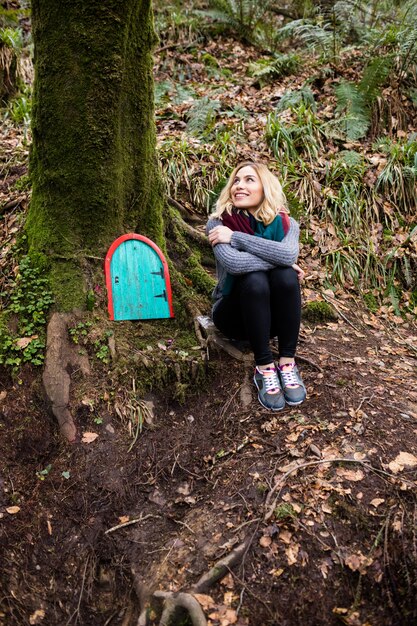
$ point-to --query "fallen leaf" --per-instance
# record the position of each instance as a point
(89, 437)
(123, 519)
(205, 601)
(23, 342)
(36, 617)
(292, 553)
(376, 502)
(402, 460)
(285, 536)
(358, 562)
(265, 542)
(349, 474)
(276, 572)
(13, 510)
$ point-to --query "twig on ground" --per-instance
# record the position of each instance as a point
(129, 523)
(339, 312)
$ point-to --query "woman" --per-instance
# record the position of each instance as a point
(257, 296)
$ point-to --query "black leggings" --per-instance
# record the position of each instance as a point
(260, 306)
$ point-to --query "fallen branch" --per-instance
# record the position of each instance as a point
(221, 568)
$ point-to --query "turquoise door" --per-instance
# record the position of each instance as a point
(139, 290)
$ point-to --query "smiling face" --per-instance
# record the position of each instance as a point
(247, 191)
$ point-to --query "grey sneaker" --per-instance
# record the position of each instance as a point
(292, 384)
(269, 389)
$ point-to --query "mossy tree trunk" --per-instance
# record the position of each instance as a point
(93, 162)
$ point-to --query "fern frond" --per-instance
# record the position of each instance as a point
(356, 119)
(374, 77)
(292, 99)
(201, 115)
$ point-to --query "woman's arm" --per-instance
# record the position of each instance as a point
(283, 252)
(236, 261)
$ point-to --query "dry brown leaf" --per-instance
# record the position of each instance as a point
(23, 342)
(285, 536)
(402, 460)
(349, 474)
(292, 553)
(36, 617)
(376, 502)
(276, 572)
(123, 519)
(265, 541)
(205, 601)
(358, 562)
(13, 510)
(89, 437)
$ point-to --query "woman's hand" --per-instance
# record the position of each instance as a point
(300, 273)
(220, 234)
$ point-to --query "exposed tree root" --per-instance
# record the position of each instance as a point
(189, 230)
(173, 601)
(60, 357)
(221, 568)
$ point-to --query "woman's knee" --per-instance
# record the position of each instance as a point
(254, 285)
(284, 279)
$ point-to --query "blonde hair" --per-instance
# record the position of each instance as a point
(274, 200)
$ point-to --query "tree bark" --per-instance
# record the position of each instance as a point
(93, 162)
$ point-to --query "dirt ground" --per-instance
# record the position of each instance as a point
(332, 542)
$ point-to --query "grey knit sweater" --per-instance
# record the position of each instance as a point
(248, 253)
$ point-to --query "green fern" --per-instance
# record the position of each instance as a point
(355, 114)
(201, 116)
(292, 99)
(266, 70)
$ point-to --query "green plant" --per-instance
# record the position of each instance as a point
(266, 70)
(28, 303)
(285, 511)
(241, 16)
(355, 100)
(201, 116)
(301, 137)
(102, 349)
(42, 474)
(293, 99)
(79, 332)
(399, 177)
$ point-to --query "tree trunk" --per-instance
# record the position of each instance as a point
(93, 161)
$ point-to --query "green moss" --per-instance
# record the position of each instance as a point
(209, 60)
(93, 164)
(285, 511)
(199, 277)
(67, 282)
(371, 302)
(318, 311)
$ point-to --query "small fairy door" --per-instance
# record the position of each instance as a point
(137, 279)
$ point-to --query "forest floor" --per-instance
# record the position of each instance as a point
(324, 494)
